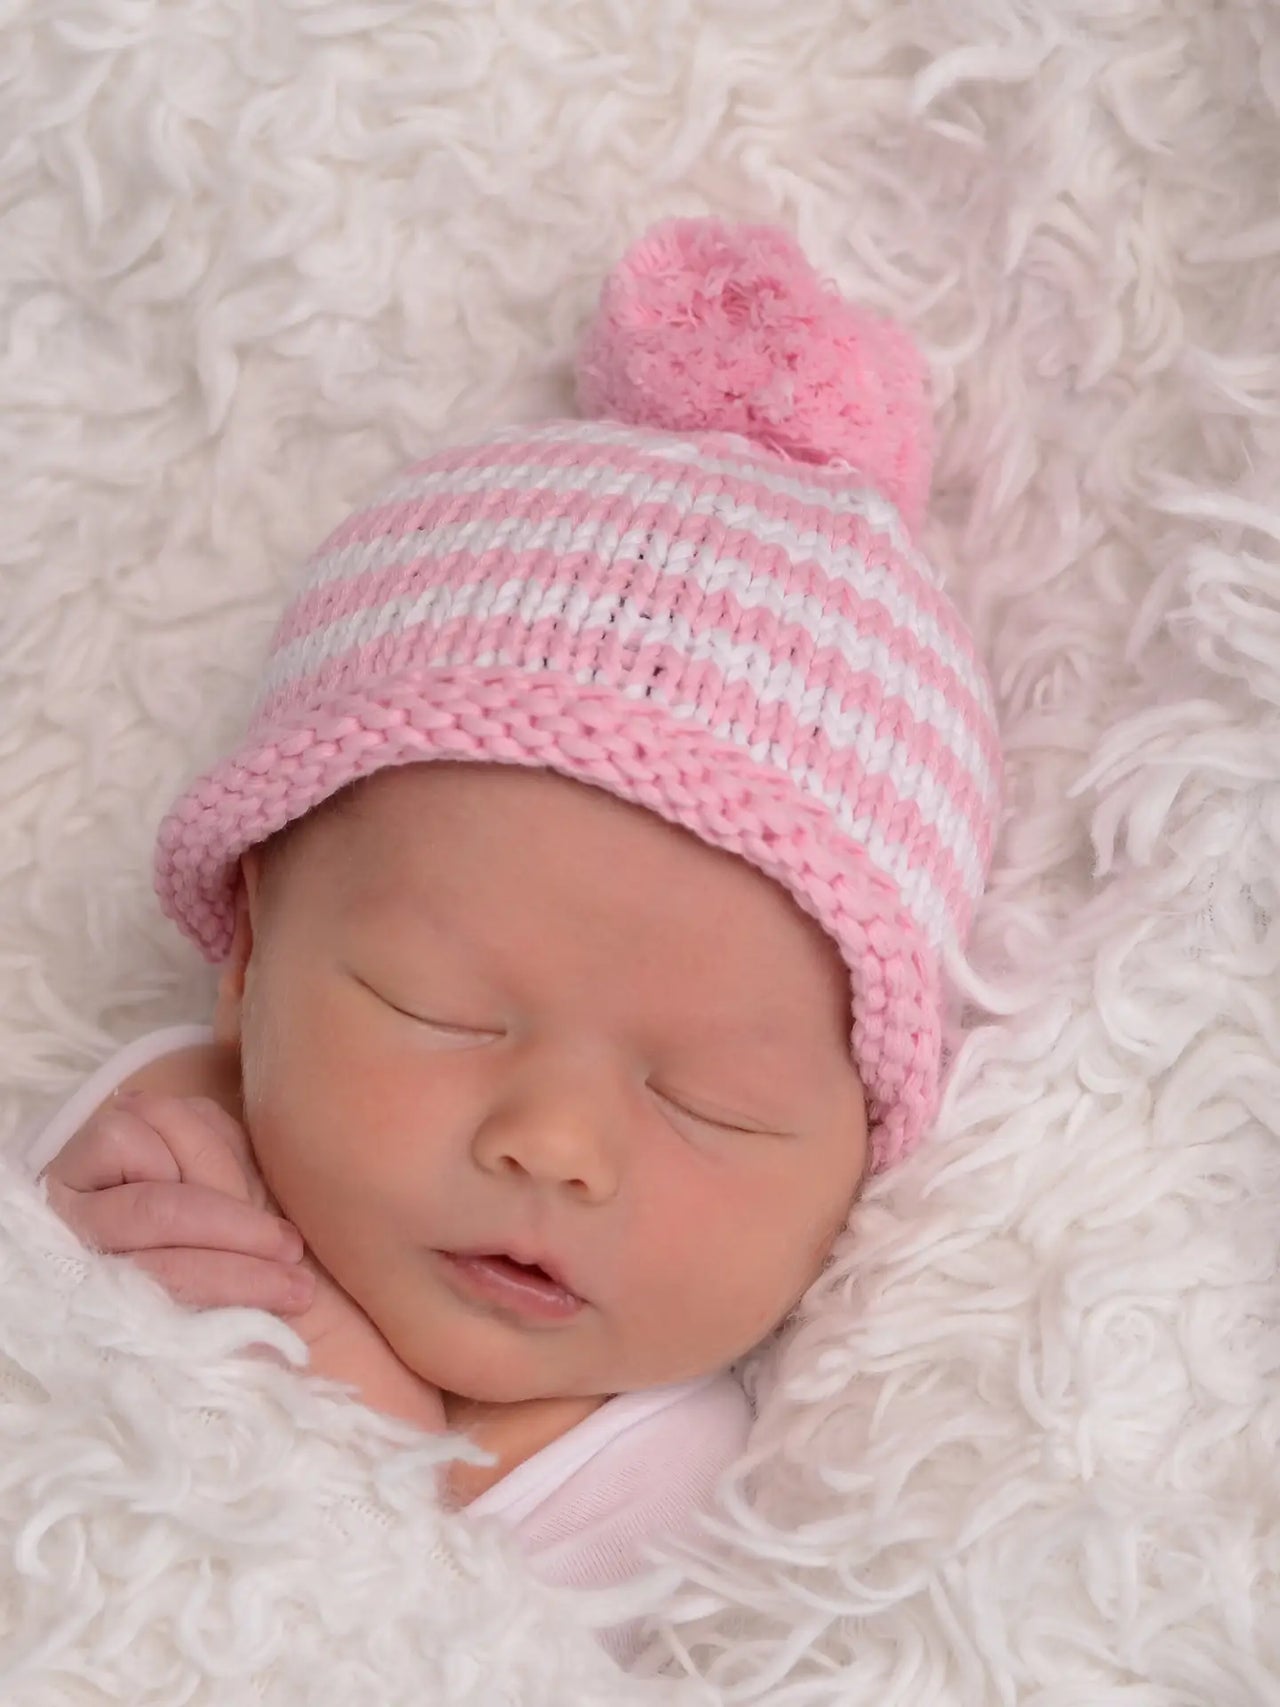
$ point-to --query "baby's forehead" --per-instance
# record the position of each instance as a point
(436, 789)
(407, 815)
(504, 836)
(372, 813)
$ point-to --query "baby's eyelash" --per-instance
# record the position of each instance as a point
(446, 1025)
(450, 1026)
(724, 1123)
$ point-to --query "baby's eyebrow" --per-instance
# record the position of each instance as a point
(410, 901)
(752, 1071)
(765, 1033)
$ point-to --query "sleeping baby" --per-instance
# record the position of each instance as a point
(578, 897)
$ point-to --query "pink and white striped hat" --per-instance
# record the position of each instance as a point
(703, 598)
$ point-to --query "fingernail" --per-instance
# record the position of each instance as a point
(291, 1245)
(302, 1288)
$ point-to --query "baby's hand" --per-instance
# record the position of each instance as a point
(168, 1182)
(171, 1183)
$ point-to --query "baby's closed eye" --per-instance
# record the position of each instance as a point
(707, 1113)
(462, 1028)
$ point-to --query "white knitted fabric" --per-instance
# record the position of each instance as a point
(1022, 1450)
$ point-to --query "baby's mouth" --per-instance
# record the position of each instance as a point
(526, 1289)
(532, 1270)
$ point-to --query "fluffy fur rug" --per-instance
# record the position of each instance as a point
(1023, 1447)
(183, 1521)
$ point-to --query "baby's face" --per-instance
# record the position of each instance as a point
(492, 1011)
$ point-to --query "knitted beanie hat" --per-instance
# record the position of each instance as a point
(703, 598)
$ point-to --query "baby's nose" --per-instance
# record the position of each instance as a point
(554, 1141)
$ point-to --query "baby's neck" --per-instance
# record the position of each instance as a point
(511, 1433)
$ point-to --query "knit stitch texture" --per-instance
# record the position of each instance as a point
(733, 632)
(1019, 1445)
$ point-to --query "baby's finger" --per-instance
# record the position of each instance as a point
(209, 1147)
(116, 1147)
(152, 1216)
(218, 1280)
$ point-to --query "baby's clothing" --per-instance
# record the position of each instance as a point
(584, 1507)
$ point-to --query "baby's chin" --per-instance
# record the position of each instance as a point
(498, 1365)
(480, 1368)
(487, 1358)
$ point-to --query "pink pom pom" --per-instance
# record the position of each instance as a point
(704, 327)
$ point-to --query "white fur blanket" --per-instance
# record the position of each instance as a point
(1023, 1450)
(184, 1521)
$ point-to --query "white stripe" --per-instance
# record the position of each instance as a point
(920, 895)
(684, 559)
(854, 500)
(858, 499)
(772, 679)
(778, 679)
(711, 573)
(517, 480)
(911, 779)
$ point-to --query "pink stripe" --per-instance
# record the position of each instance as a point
(291, 769)
(664, 595)
(800, 575)
(704, 683)
(920, 745)
(576, 444)
(708, 446)
(530, 505)
(842, 682)
(381, 520)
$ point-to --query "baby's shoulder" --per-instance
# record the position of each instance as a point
(200, 1069)
(180, 1060)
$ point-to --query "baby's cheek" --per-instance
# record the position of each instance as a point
(712, 1268)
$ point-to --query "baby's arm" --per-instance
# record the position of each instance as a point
(159, 1179)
